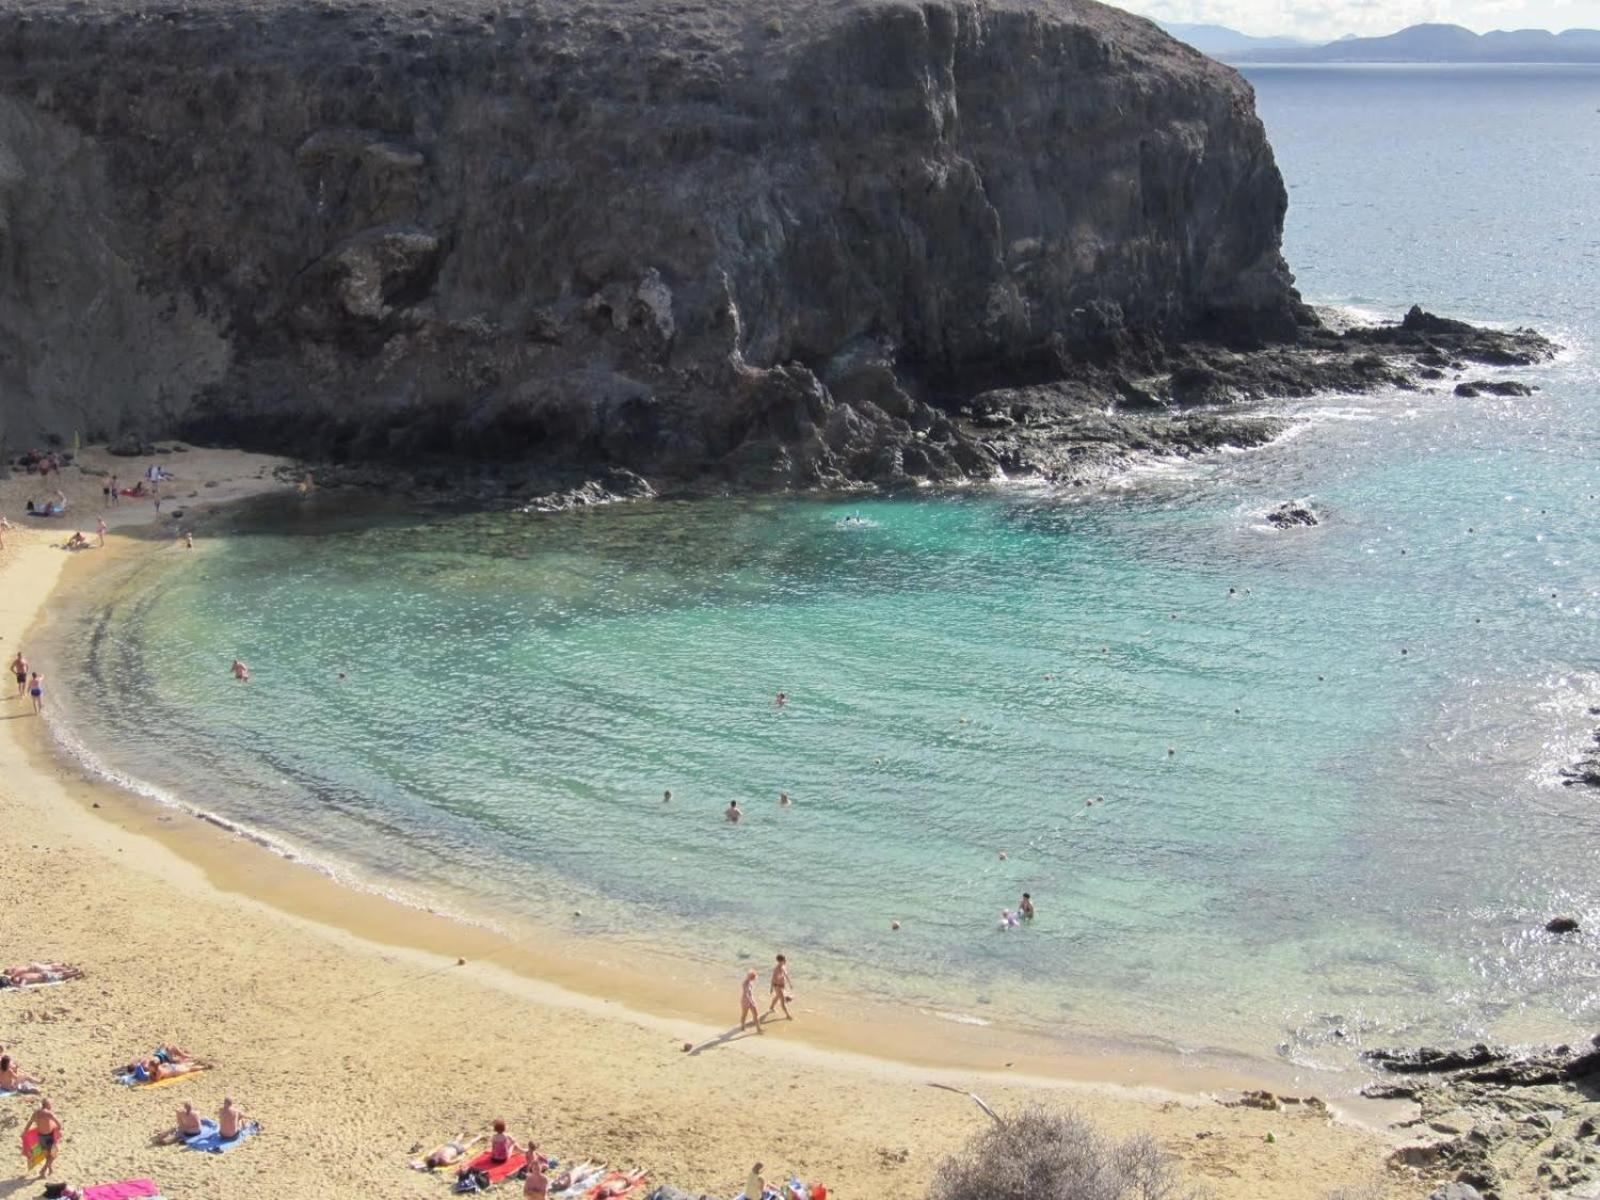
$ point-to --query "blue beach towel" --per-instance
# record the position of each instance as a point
(212, 1142)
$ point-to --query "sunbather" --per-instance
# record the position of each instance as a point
(502, 1146)
(449, 1153)
(154, 1070)
(13, 1080)
(187, 1125)
(35, 973)
(165, 1054)
(231, 1120)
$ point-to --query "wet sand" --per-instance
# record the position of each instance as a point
(342, 1021)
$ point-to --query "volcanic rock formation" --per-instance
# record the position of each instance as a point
(777, 244)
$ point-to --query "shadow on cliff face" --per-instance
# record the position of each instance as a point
(761, 244)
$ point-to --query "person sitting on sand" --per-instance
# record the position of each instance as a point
(48, 1128)
(755, 1186)
(502, 1145)
(231, 1120)
(34, 973)
(449, 1153)
(187, 1125)
(77, 541)
(13, 1080)
(747, 1002)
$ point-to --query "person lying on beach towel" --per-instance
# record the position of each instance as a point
(162, 1054)
(38, 974)
(13, 1081)
(154, 1070)
(617, 1184)
(448, 1154)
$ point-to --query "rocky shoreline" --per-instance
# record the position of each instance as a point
(1098, 419)
(1496, 1124)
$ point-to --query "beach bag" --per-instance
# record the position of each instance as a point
(473, 1181)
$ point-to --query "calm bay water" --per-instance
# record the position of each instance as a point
(1358, 827)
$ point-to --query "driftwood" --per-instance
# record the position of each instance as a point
(975, 1098)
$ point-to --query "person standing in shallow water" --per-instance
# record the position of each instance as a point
(36, 690)
(1026, 907)
(732, 813)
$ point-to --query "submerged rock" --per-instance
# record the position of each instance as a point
(1291, 514)
(1561, 925)
(1486, 387)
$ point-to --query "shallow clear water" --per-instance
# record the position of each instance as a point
(1358, 828)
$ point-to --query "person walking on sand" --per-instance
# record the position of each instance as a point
(780, 988)
(116, 492)
(102, 532)
(747, 1002)
(19, 668)
(48, 1129)
(36, 690)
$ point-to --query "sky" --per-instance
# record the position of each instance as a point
(1328, 19)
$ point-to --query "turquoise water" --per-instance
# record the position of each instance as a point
(1357, 832)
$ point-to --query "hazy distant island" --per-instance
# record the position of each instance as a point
(1415, 44)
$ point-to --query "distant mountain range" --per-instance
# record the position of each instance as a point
(1219, 41)
(1416, 44)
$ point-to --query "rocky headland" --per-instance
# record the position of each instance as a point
(753, 245)
(1498, 1124)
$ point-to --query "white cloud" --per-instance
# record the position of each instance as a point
(1334, 18)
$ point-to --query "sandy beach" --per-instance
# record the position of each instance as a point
(345, 1025)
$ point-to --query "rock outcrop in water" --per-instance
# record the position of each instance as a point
(770, 244)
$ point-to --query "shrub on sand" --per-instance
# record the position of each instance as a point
(1047, 1154)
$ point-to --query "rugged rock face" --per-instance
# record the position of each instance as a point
(766, 243)
(745, 237)
(1497, 1123)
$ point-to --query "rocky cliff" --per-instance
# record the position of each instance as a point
(731, 236)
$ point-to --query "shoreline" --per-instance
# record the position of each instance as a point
(649, 981)
(301, 936)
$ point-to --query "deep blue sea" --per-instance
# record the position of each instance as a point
(1324, 761)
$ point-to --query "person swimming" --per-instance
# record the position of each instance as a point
(1008, 919)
